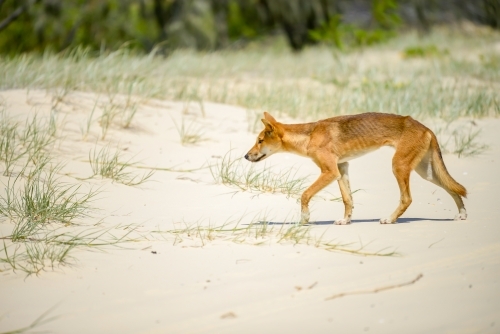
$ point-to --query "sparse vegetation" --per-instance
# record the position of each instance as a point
(43, 214)
(9, 153)
(45, 247)
(261, 232)
(42, 208)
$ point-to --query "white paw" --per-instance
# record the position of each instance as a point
(342, 222)
(304, 218)
(462, 215)
(386, 221)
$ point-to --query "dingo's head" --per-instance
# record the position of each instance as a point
(268, 142)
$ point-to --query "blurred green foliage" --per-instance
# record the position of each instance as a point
(424, 51)
(38, 25)
(331, 32)
(59, 24)
(385, 14)
(343, 36)
(242, 22)
(384, 24)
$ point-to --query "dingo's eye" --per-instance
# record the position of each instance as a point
(260, 141)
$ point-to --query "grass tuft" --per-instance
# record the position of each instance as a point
(108, 115)
(189, 134)
(235, 172)
(462, 140)
(108, 164)
(38, 137)
(466, 143)
(42, 198)
(85, 130)
(34, 141)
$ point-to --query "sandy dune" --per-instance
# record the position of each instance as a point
(222, 286)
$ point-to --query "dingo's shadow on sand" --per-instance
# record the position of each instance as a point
(357, 221)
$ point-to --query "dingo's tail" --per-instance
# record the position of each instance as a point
(442, 173)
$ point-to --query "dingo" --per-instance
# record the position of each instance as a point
(332, 142)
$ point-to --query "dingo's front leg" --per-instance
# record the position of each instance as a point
(305, 215)
(345, 190)
(324, 179)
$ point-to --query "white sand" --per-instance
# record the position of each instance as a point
(226, 287)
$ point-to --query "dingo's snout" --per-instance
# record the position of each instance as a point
(254, 157)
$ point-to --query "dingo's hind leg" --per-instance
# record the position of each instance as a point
(409, 153)
(345, 190)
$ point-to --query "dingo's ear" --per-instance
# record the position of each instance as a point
(268, 125)
(270, 118)
(273, 127)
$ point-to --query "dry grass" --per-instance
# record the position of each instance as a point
(316, 83)
(263, 232)
(110, 164)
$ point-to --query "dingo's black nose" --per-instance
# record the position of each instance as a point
(246, 156)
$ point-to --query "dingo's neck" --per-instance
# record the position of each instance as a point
(296, 138)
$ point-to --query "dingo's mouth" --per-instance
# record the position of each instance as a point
(260, 158)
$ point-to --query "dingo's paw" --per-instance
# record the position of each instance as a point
(462, 215)
(387, 221)
(342, 222)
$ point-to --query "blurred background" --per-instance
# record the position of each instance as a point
(165, 25)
